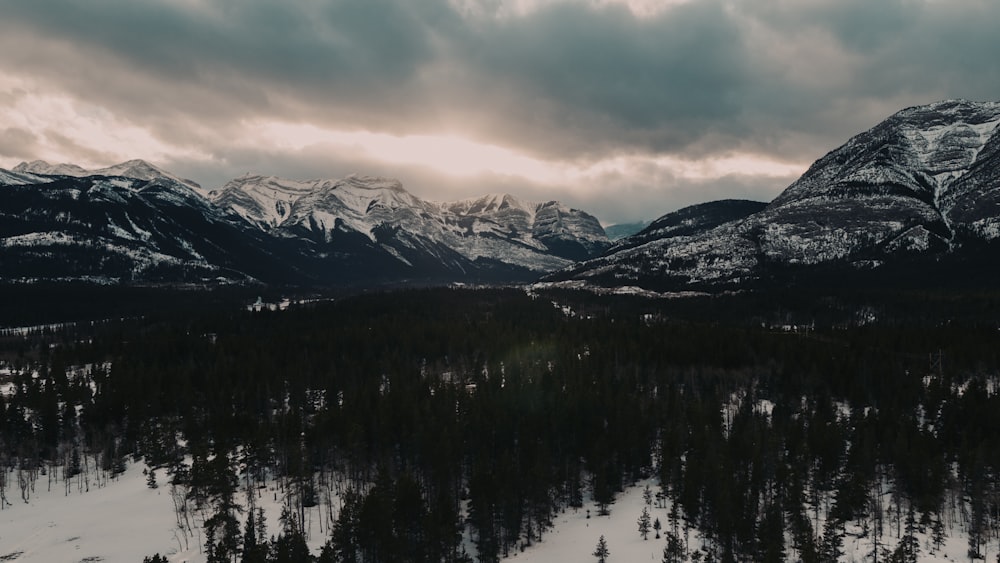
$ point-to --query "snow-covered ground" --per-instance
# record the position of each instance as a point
(575, 536)
(124, 520)
(120, 520)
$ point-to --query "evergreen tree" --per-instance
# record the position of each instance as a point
(223, 539)
(343, 543)
(644, 523)
(771, 535)
(674, 552)
(906, 551)
(254, 549)
(937, 531)
(832, 546)
(601, 552)
(909, 547)
(290, 545)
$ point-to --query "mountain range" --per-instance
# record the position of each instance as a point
(917, 194)
(135, 223)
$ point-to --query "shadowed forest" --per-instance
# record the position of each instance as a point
(406, 421)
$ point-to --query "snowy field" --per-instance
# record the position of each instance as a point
(123, 520)
(575, 536)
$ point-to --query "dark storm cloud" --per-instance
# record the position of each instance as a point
(71, 146)
(900, 52)
(17, 143)
(565, 80)
(568, 80)
(223, 60)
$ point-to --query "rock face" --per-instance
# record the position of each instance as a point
(136, 223)
(487, 232)
(925, 181)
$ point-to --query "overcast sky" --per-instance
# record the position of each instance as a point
(626, 108)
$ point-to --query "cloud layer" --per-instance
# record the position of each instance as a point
(611, 98)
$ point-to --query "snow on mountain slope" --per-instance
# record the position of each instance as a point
(44, 168)
(361, 203)
(880, 185)
(496, 227)
(14, 178)
(136, 168)
(262, 200)
(692, 220)
(927, 179)
(116, 229)
(125, 222)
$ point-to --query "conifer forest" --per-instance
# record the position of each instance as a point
(455, 424)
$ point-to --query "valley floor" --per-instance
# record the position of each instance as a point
(123, 520)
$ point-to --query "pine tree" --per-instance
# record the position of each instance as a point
(343, 541)
(224, 528)
(906, 551)
(909, 546)
(601, 552)
(937, 531)
(644, 523)
(602, 493)
(290, 546)
(254, 549)
(657, 526)
(832, 546)
(673, 552)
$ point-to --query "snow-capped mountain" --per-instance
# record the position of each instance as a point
(494, 229)
(137, 223)
(137, 169)
(46, 169)
(924, 182)
(14, 178)
(119, 229)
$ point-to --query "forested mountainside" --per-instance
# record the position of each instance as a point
(405, 420)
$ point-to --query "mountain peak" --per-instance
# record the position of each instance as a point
(492, 203)
(953, 105)
(948, 112)
(135, 168)
(924, 181)
(44, 168)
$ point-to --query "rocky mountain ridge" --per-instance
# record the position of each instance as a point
(926, 181)
(540, 236)
(355, 230)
